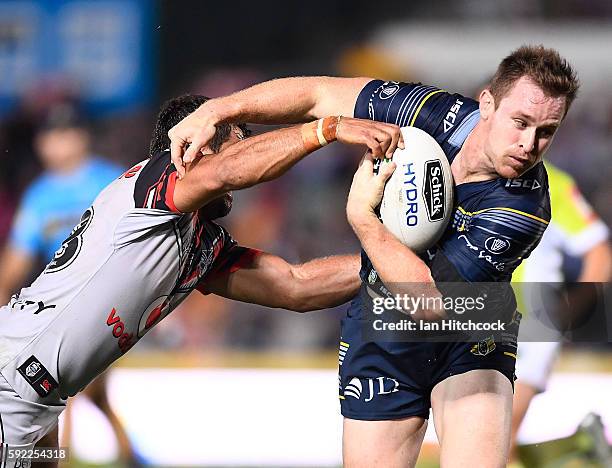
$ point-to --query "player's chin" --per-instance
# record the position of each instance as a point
(513, 169)
(218, 208)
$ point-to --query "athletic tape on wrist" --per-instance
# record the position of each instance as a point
(319, 133)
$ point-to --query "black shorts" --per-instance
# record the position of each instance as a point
(393, 380)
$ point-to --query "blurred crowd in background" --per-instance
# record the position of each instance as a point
(201, 47)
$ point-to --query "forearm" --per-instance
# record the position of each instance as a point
(393, 261)
(261, 158)
(325, 282)
(398, 267)
(242, 165)
(289, 100)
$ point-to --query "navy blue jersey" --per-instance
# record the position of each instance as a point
(496, 223)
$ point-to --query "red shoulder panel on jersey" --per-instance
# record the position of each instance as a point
(155, 184)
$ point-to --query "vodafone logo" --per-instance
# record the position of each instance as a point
(156, 311)
(125, 340)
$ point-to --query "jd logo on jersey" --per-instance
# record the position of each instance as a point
(375, 386)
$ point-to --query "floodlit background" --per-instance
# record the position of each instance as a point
(222, 383)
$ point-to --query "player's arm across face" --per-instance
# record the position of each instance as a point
(270, 281)
(285, 100)
(268, 156)
(402, 271)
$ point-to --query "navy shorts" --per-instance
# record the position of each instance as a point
(393, 380)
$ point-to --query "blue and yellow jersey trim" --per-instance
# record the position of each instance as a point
(517, 220)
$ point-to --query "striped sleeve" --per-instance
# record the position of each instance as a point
(403, 104)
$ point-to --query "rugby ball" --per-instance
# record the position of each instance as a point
(418, 199)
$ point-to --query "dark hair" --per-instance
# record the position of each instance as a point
(545, 67)
(176, 109)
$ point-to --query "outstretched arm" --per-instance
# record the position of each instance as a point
(285, 100)
(269, 155)
(270, 281)
(288, 100)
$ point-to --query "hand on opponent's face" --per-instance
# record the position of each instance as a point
(191, 136)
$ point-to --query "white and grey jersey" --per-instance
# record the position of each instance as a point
(130, 261)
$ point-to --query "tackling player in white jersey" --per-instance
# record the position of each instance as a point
(147, 241)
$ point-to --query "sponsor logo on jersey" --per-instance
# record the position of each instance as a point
(131, 172)
(497, 245)
(33, 369)
(389, 90)
(376, 386)
(482, 253)
(373, 276)
(433, 190)
(353, 389)
(22, 304)
(411, 194)
(125, 340)
(152, 315)
(530, 184)
(484, 347)
(39, 378)
(451, 116)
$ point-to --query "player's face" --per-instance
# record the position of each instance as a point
(522, 128)
(218, 208)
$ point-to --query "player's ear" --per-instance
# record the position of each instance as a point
(486, 103)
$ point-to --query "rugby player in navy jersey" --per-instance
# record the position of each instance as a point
(495, 147)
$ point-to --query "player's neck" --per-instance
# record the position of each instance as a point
(471, 163)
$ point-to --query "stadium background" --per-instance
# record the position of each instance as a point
(220, 383)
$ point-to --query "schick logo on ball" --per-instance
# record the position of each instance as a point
(411, 192)
(433, 190)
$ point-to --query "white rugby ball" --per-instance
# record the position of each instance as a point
(418, 199)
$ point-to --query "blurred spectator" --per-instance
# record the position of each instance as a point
(54, 202)
(51, 206)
